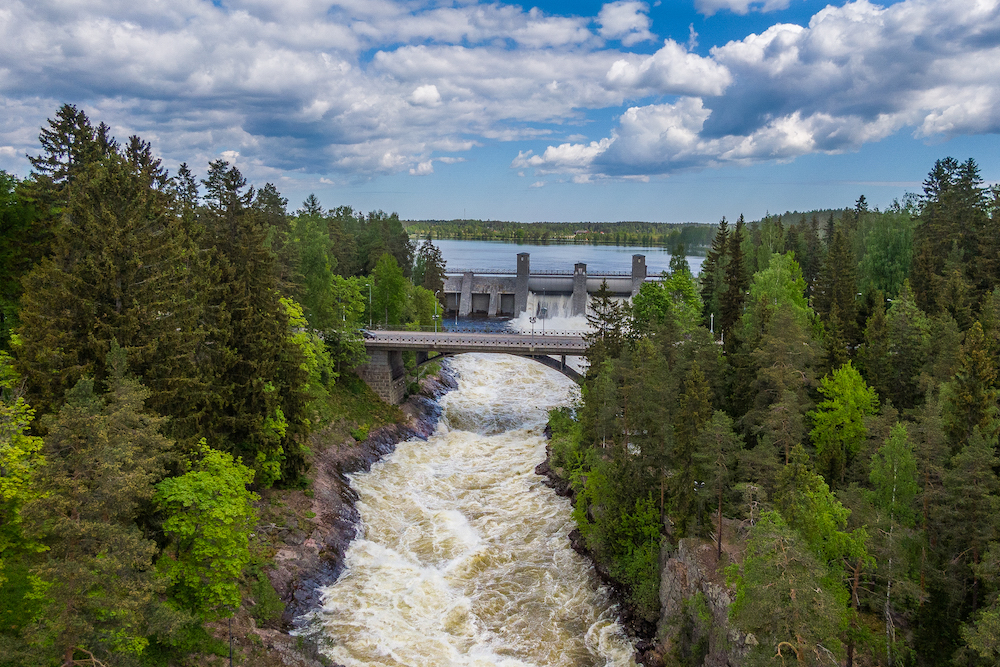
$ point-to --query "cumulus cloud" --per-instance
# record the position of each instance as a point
(672, 69)
(625, 20)
(856, 74)
(357, 88)
(710, 7)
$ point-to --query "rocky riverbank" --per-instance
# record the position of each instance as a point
(301, 569)
(305, 533)
(641, 630)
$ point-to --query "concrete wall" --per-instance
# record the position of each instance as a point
(494, 295)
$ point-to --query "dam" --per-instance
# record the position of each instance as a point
(505, 293)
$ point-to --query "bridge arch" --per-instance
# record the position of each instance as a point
(546, 360)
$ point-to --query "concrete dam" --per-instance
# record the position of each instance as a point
(505, 293)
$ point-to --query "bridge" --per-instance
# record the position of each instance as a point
(385, 374)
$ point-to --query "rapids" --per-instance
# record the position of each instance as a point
(463, 556)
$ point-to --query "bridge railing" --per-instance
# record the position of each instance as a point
(552, 272)
(472, 330)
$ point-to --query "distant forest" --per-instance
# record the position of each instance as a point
(693, 236)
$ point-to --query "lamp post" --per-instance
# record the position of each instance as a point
(369, 285)
(436, 310)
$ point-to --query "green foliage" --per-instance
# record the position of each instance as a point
(209, 515)
(970, 400)
(103, 456)
(784, 598)
(839, 421)
(389, 292)
(887, 242)
(20, 456)
(565, 445)
(807, 505)
(779, 285)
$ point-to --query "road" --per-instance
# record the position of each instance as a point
(448, 342)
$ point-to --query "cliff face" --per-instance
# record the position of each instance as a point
(694, 628)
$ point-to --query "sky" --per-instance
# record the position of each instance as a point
(663, 111)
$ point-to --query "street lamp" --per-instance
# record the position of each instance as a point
(369, 285)
(436, 310)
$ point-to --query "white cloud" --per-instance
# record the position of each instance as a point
(671, 70)
(423, 169)
(537, 184)
(366, 87)
(625, 20)
(855, 74)
(710, 7)
(427, 96)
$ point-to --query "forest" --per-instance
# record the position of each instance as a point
(828, 384)
(167, 345)
(693, 236)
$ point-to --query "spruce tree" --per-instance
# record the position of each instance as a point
(970, 400)
(713, 271)
(693, 411)
(122, 270)
(256, 369)
(104, 454)
(909, 339)
(737, 281)
(873, 357)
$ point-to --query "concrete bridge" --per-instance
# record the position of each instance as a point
(385, 374)
(497, 293)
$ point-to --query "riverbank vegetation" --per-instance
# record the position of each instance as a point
(830, 384)
(167, 345)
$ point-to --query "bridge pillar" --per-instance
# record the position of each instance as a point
(579, 289)
(465, 303)
(385, 374)
(638, 272)
(521, 283)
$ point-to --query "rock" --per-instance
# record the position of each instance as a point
(694, 623)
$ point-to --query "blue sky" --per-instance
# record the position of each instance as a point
(672, 110)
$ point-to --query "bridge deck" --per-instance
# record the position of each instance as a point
(448, 342)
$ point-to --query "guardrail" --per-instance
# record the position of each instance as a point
(561, 273)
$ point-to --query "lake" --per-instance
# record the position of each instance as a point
(485, 256)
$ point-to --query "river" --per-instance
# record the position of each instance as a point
(464, 558)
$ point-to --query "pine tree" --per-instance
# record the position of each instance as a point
(783, 596)
(693, 411)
